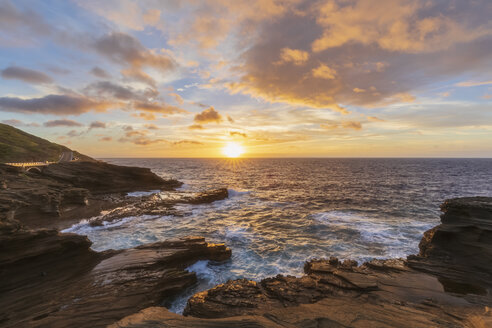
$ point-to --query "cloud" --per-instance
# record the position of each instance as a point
(159, 107)
(344, 125)
(196, 127)
(375, 119)
(26, 75)
(390, 49)
(209, 115)
(189, 142)
(237, 133)
(133, 133)
(105, 139)
(151, 127)
(64, 122)
(295, 56)
(141, 100)
(141, 141)
(125, 13)
(75, 133)
(99, 72)
(230, 119)
(97, 125)
(127, 50)
(324, 72)
(404, 25)
(53, 104)
(146, 116)
(177, 97)
(112, 90)
(19, 123)
(18, 27)
(473, 83)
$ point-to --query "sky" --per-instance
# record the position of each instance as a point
(282, 78)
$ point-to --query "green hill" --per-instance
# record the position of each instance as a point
(19, 146)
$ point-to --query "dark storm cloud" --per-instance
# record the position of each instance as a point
(25, 74)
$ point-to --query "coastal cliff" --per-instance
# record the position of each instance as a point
(446, 285)
(61, 194)
(49, 279)
(53, 279)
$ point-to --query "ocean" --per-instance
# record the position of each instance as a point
(282, 212)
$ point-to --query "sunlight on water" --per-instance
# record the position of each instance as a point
(283, 212)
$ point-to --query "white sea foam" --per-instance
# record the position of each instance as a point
(238, 233)
(398, 237)
(203, 271)
(84, 226)
(142, 193)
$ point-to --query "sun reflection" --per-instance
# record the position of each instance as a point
(233, 150)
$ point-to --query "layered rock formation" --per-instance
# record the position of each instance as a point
(447, 285)
(159, 204)
(70, 191)
(48, 279)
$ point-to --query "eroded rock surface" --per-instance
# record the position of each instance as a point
(446, 285)
(159, 204)
(72, 190)
(48, 279)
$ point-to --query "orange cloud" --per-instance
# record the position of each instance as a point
(209, 115)
(295, 56)
(324, 72)
(344, 125)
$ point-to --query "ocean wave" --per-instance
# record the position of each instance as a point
(238, 193)
(397, 237)
(84, 226)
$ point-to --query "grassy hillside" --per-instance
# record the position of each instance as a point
(19, 146)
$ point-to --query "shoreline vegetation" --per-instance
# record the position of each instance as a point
(53, 279)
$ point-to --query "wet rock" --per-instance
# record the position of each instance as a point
(104, 178)
(209, 196)
(70, 191)
(159, 204)
(460, 248)
(49, 279)
(446, 285)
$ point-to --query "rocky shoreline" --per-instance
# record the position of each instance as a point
(52, 279)
(448, 284)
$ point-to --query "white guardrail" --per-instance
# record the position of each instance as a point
(30, 164)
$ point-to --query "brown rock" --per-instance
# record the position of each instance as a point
(48, 279)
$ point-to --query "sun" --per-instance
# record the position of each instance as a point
(233, 150)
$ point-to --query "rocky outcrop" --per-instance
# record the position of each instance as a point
(446, 285)
(459, 251)
(48, 279)
(70, 191)
(104, 178)
(159, 204)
